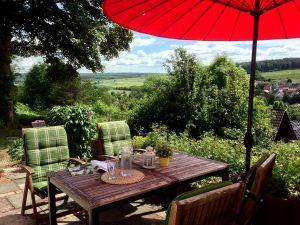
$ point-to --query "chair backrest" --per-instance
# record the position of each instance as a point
(38, 123)
(256, 180)
(113, 136)
(216, 207)
(46, 149)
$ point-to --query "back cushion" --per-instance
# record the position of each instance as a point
(114, 135)
(46, 150)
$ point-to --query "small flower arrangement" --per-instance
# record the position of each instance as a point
(164, 150)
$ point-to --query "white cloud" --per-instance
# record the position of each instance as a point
(23, 65)
(141, 60)
(138, 42)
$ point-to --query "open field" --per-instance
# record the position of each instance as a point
(294, 75)
(122, 82)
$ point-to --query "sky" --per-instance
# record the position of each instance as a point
(148, 53)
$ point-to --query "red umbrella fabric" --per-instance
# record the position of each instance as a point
(227, 20)
(212, 20)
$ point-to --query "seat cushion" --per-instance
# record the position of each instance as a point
(46, 149)
(114, 135)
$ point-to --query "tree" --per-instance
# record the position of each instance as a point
(74, 31)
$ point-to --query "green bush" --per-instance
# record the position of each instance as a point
(80, 127)
(15, 149)
(211, 147)
(25, 115)
(286, 174)
(287, 166)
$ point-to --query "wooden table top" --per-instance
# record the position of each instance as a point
(90, 191)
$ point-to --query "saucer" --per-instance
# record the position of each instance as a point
(149, 167)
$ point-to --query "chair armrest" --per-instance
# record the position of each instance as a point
(27, 169)
(103, 157)
(77, 161)
(139, 150)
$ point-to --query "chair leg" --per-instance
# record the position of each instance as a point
(66, 199)
(24, 197)
(34, 207)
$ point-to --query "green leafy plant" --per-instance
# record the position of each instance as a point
(15, 149)
(80, 127)
(163, 150)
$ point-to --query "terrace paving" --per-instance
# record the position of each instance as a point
(11, 194)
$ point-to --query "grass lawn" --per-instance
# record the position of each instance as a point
(294, 75)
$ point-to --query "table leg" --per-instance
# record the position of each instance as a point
(225, 175)
(51, 203)
(93, 217)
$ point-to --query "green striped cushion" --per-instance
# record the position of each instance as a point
(46, 150)
(115, 135)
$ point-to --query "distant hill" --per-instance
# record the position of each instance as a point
(273, 65)
(20, 78)
(110, 76)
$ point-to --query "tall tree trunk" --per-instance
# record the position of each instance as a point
(6, 80)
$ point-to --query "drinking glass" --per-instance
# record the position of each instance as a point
(111, 169)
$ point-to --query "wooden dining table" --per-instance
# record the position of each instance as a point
(94, 195)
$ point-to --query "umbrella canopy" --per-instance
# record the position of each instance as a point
(213, 20)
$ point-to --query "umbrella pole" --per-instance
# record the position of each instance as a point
(248, 140)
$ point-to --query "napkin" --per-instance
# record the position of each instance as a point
(99, 165)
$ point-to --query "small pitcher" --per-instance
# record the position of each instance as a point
(126, 161)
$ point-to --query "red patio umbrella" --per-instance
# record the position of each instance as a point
(213, 20)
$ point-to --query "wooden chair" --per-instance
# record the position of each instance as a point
(213, 205)
(256, 180)
(112, 136)
(46, 149)
(38, 123)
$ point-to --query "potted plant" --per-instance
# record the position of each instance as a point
(164, 151)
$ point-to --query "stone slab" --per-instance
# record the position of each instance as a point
(5, 205)
(9, 186)
(16, 199)
(13, 217)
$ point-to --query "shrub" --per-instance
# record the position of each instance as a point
(25, 115)
(80, 127)
(287, 166)
(15, 149)
(211, 147)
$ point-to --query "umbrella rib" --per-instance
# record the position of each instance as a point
(130, 7)
(146, 11)
(163, 14)
(196, 21)
(279, 14)
(275, 5)
(235, 6)
(215, 22)
(244, 5)
(236, 21)
(177, 19)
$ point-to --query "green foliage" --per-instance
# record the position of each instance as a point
(16, 150)
(264, 132)
(279, 105)
(294, 112)
(286, 174)
(211, 147)
(25, 115)
(287, 167)
(76, 32)
(80, 127)
(163, 150)
(36, 90)
(49, 85)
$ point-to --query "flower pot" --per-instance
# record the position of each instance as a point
(164, 161)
